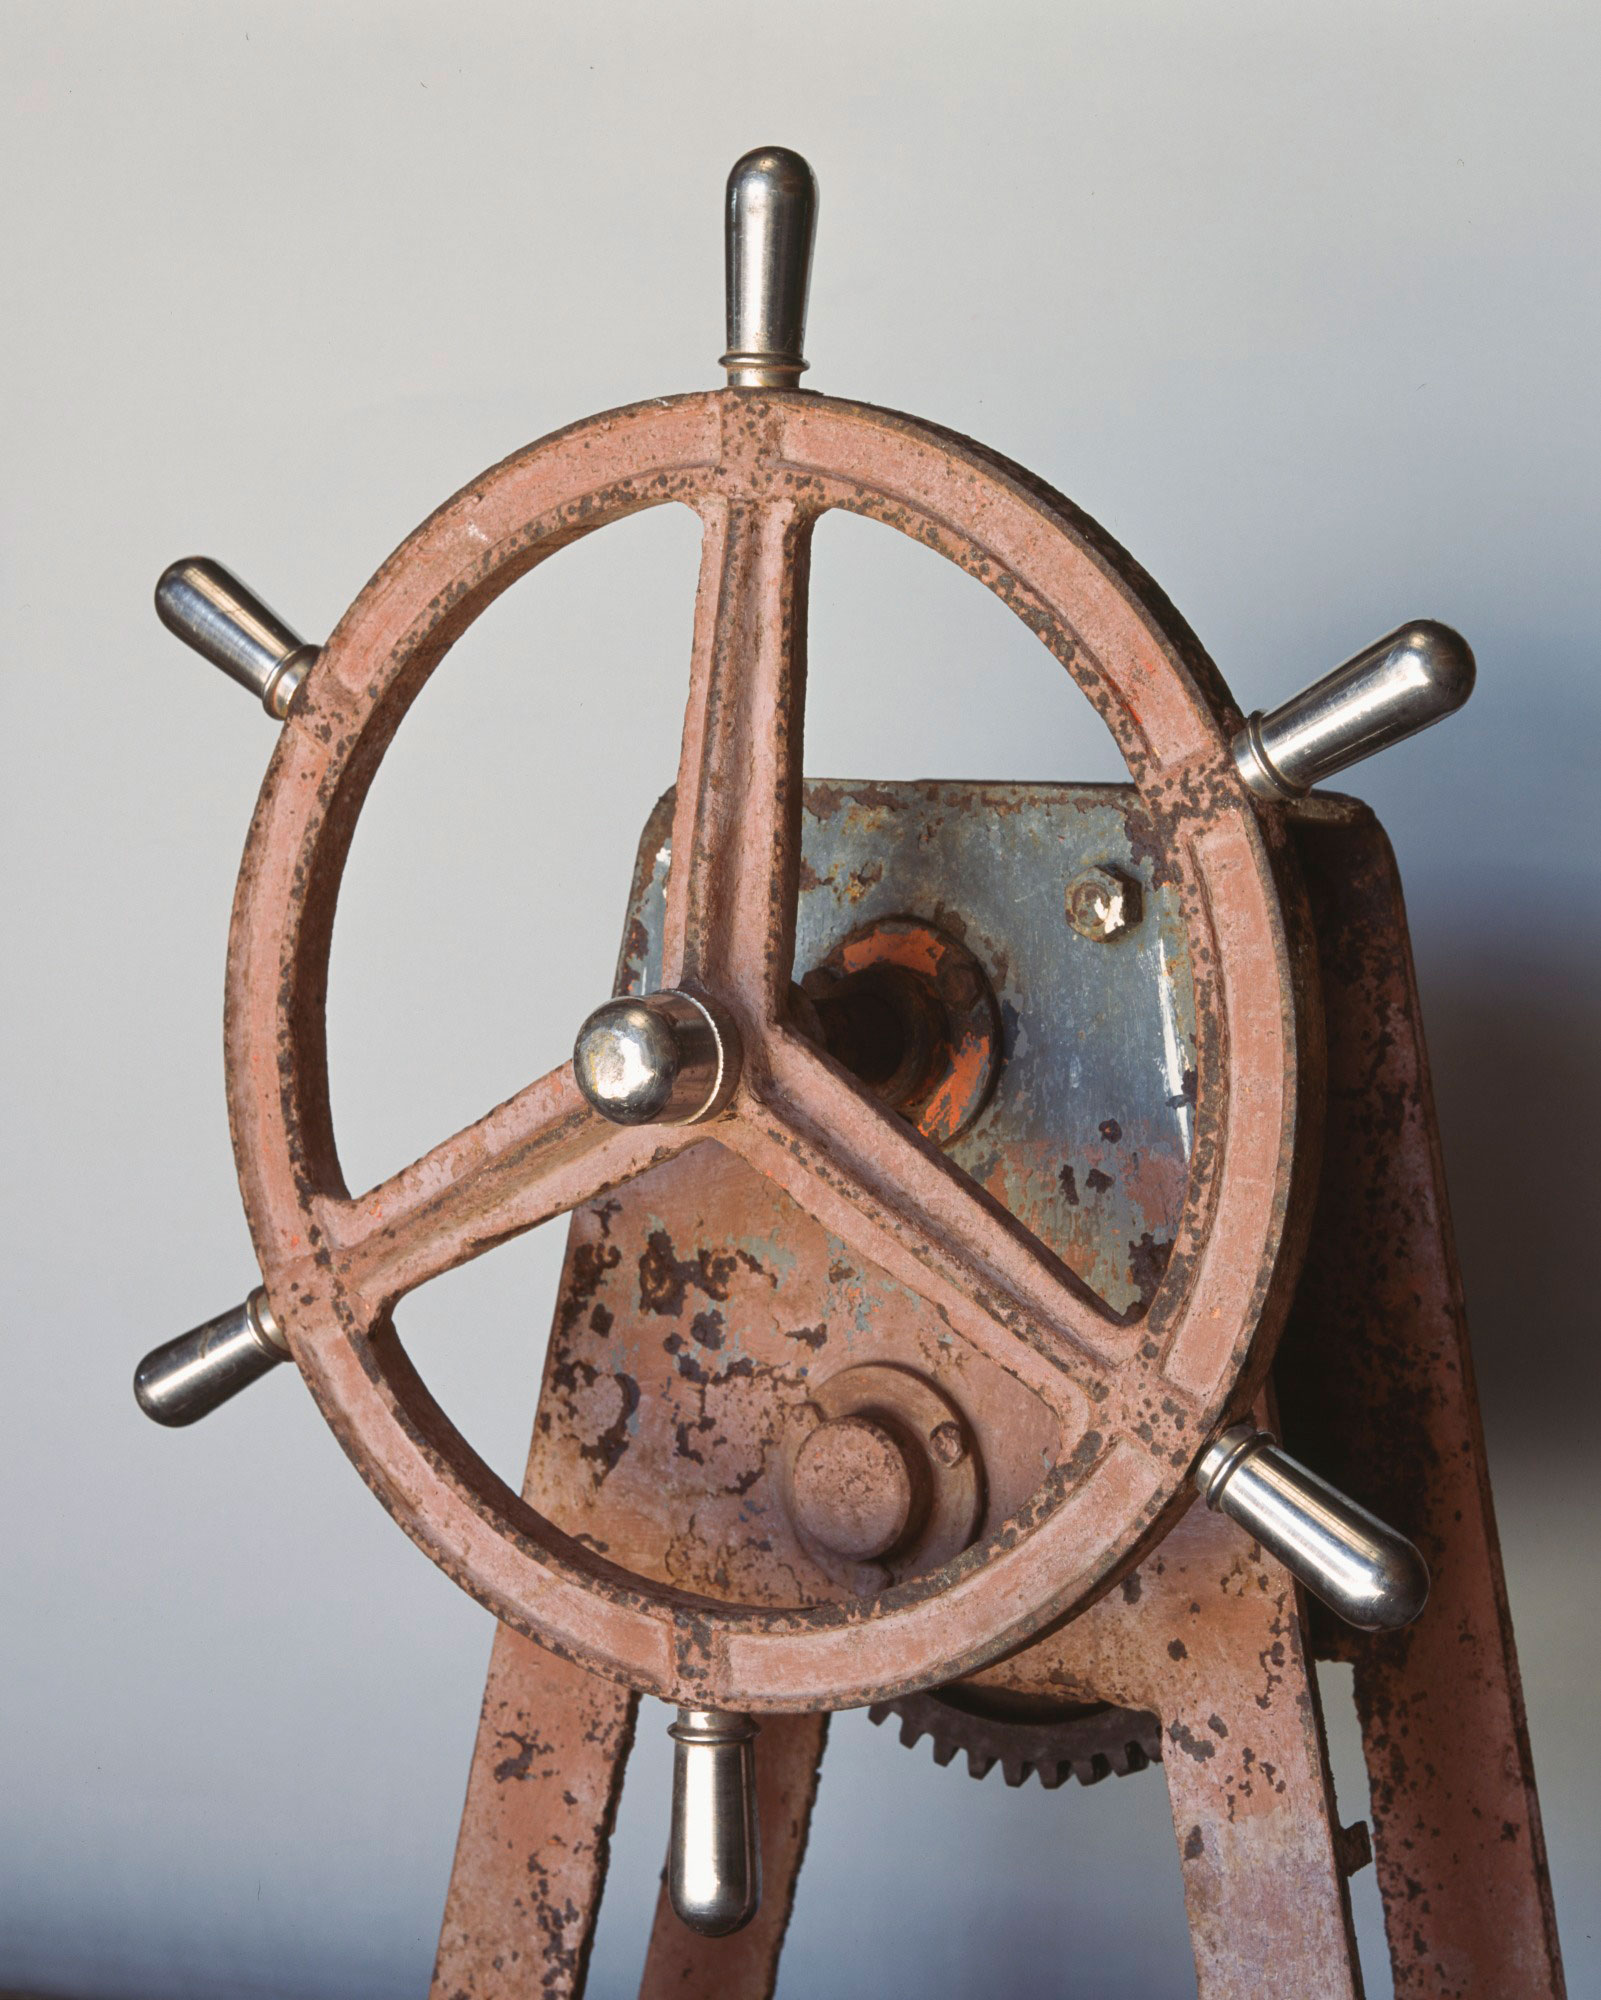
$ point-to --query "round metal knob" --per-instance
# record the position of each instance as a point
(771, 223)
(1412, 677)
(713, 1860)
(852, 1488)
(664, 1060)
(212, 611)
(1360, 1567)
(198, 1372)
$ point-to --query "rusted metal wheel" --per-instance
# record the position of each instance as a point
(1133, 1402)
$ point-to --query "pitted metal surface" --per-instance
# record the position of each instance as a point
(1051, 1741)
(896, 1318)
(676, 1376)
(1376, 1386)
(1125, 1402)
(1086, 1135)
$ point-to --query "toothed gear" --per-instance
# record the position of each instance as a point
(1051, 1741)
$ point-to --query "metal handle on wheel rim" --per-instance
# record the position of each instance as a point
(713, 1862)
(201, 1370)
(1361, 1568)
(226, 623)
(770, 227)
(1406, 681)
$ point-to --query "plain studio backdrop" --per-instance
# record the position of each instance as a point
(1301, 303)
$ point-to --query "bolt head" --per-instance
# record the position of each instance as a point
(1103, 903)
(627, 1061)
(852, 1489)
(947, 1444)
(668, 1058)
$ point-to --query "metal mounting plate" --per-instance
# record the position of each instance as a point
(1087, 1135)
(700, 1307)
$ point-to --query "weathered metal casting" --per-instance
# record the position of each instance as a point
(1207, 1635)
(1376, 1387)
(708, 1324)
(1131, 1404)
(855, 1386)
(1026, 1736)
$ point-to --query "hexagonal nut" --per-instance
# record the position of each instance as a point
(947, 1444)
(1103, 903)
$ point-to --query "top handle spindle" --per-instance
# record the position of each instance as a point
(770, 225)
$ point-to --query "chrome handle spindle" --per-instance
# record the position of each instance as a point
(770, 226)
(227, 624)
(1360, 1567)
(198, 1372)
(713, 1861)
(1414, 676)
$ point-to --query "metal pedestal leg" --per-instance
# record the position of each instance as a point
(531, 1856)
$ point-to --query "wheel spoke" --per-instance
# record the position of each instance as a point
(541, 1153)
(894, 1198)
(730, 919)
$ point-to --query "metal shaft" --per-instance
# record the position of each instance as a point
(1400, 684)
(198, 1372)
(1361, 1568)
(713, 1861)
(771, 223)
(227, 624)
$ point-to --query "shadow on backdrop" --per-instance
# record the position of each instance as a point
(1512, 1044)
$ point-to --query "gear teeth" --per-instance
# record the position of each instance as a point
(1090, 1745)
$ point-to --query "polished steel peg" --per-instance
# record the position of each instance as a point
(1367, 1572)
(198, 1372)
(664, 1060)
(714, 1875)
(1400, 684)
(770, 225)
(211, 610)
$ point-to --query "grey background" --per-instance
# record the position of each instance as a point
(1301, 303)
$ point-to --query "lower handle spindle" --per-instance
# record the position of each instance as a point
(713, 1861)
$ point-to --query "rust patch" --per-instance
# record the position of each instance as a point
(981, 1299)
(666, 1280)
